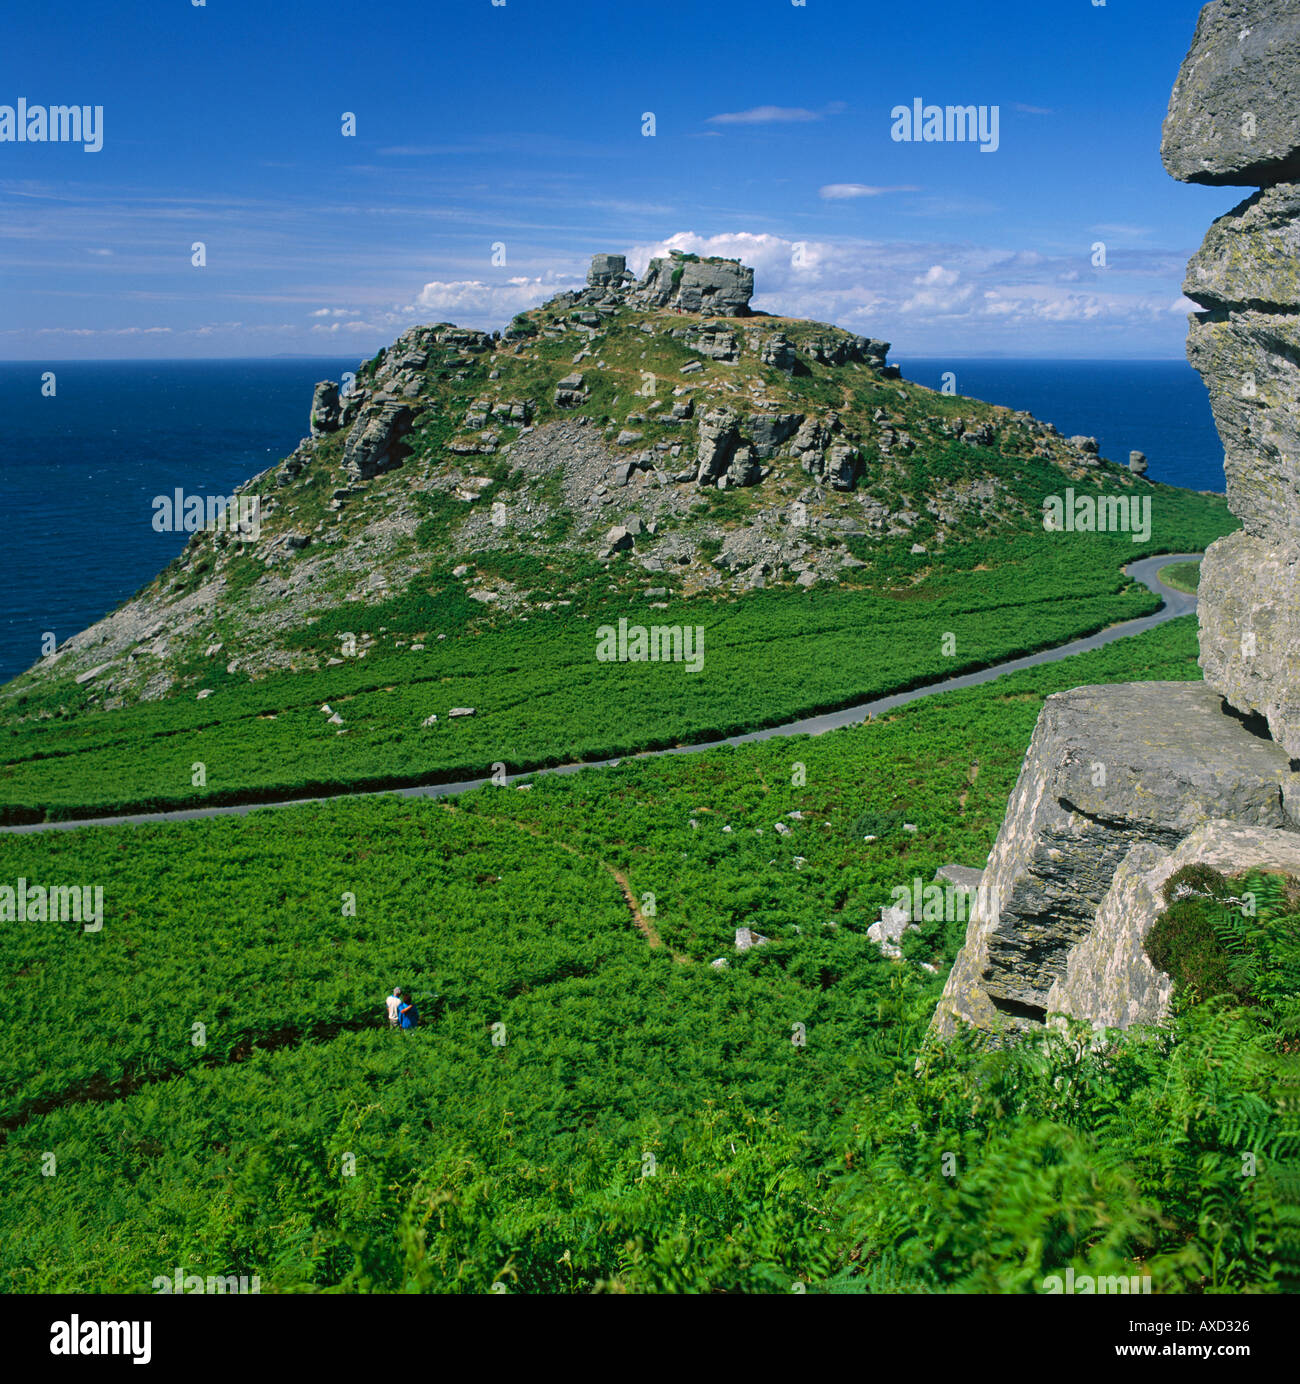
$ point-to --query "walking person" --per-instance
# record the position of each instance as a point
(394, 1003)
(407, 1015)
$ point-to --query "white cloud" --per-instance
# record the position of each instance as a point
(765, 115)
(939, 292)
(471, 302)
(841, 191)
(948, 296)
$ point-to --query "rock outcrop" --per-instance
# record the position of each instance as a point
(711, 287)
(325, 411)
(1232, 119)
(1245, 60)
(1246, 345)
(607, 271)
(1109, 768)
(1109, 979)
(1120, 782)
(1250, 630)
(375, 443)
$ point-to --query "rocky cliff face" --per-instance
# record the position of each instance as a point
(1119, 782)
(1232, 119)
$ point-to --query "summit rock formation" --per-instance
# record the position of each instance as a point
(1124, 784)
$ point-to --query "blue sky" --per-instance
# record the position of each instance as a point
(520, 125)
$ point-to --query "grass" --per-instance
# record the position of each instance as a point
(1182, 576)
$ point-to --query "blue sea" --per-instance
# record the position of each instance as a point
(79, 471)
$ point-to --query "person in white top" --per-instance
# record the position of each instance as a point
(394, 1003)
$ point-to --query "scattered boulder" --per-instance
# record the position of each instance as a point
(326, 413)
(778, 351)
(569, 392)
(887, 932)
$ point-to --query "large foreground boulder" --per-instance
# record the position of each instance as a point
(1109, 768)
(1109, 979)
(1250, 362)
(1118, 780)
(1232, 117)
(1249, 601)
(1246, 345)
(1251, 255)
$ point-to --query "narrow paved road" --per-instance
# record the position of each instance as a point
(1176, 603)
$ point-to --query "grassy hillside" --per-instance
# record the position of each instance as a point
(540, 696)
(590, 1102)
(458, 488)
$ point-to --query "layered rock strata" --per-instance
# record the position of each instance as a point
(1123, 785)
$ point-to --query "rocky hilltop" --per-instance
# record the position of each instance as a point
(636, 439)
(1123, 785)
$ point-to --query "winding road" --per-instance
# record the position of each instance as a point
(1176, 603)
